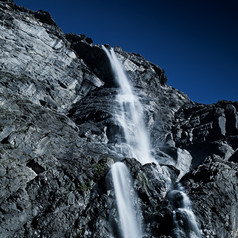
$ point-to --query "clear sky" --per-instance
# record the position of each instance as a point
(194, 41)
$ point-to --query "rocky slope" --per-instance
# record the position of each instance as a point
(58, 139)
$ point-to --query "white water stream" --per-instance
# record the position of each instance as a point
(130, 117)
(184, 207)
(127, 202)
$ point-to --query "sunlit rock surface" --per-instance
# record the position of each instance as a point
(58, 139)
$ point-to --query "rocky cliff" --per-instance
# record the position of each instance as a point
(58, 139)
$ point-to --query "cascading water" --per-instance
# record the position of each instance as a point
(127, 203)
(131, 119)
(183, 208)
(130, 115)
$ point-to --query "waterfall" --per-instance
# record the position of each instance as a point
(183, 207)
(127, 202)
(130, 116)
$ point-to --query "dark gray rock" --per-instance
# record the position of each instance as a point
(234, 157)
(212, 187)
(58, 139)
(205, 130)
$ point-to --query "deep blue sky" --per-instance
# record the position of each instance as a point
(195, 41)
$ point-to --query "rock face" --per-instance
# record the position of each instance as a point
(58, 138)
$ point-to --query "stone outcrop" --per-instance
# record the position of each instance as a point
(58, 139)
(207, 129)
(212, 186)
